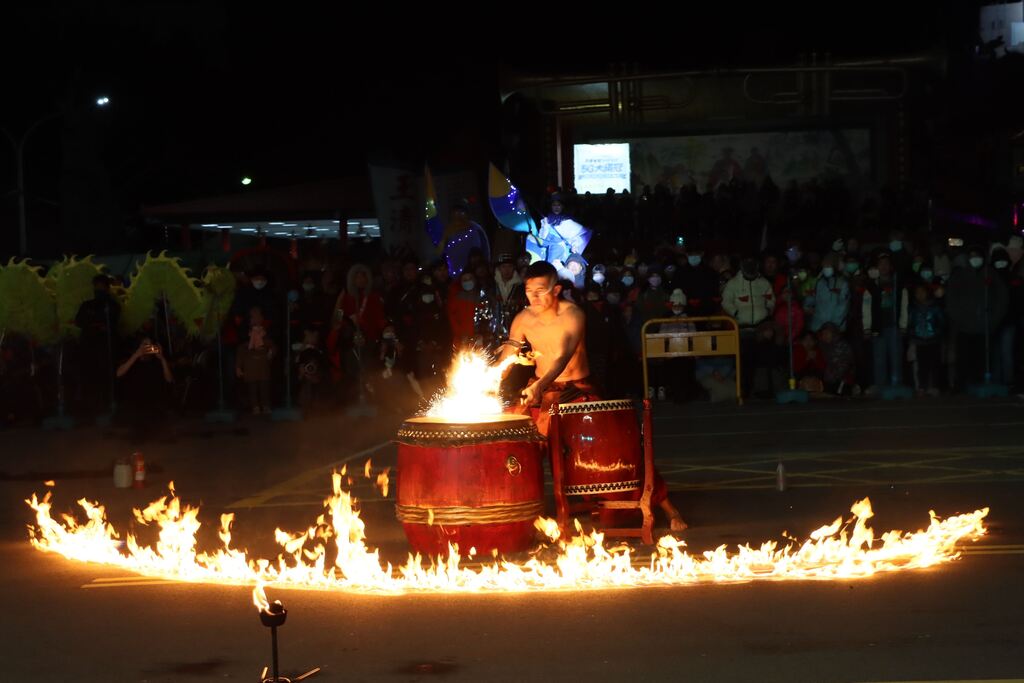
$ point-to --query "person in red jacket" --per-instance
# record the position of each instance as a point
(360, 305)
(462, 304)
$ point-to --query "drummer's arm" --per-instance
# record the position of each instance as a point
(571, 339)
(516, 338)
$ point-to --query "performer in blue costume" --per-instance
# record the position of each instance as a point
(560, 237)
(462, 236)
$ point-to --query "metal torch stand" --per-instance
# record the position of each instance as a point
(273, 618)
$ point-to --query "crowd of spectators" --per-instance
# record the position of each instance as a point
(844, 310)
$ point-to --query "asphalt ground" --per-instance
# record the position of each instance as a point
(961, 621)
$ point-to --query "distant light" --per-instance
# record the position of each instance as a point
(247, 180)
(248, 229)
(210, 225)
(289, 225)
(102, 101)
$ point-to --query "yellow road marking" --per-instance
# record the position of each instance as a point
(143, 581)
(285, 487)
(994, 552)
(964, 680)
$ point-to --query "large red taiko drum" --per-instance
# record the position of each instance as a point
(476, 484)
(601, 449)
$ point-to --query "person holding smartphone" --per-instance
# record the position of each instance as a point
(143, 381)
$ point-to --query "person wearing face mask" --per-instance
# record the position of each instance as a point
(933, 283)
(700, 283)
(885, 311)
(1004, 342)
(97, 321)
(361, 305)
(462, 304)
(434, 340)
(858, 280)
(750, 299)
(831, 296)
(773, 274)
(969, 288)
(623, 365)
(598, 314)
(652, 301)
(675, 375)
(257, 292)
(630, 286)
(900, 254)
(313, 309)
(509, 295)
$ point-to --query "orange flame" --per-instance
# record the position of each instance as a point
(472, 391)
(581, 562)
(259, 598)
(383, 481)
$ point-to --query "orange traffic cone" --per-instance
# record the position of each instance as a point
(139, 468)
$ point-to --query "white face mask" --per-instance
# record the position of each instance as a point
(428, 298)
(976, 261)
(896, 245)
(1001, 264)
(873, 273)
(627, 280)
(828, 271)
(694, 260)
(469, 285)
(927, 275)
(654, 282)
(599, 278)
(259, 284)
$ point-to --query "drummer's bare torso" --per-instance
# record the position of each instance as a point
(549, 333)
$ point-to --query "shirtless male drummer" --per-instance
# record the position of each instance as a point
(554, 328)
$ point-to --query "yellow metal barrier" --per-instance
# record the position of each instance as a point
(683, 344)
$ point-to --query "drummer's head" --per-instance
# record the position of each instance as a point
(542, 287)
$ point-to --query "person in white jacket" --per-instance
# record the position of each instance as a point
(748, 297)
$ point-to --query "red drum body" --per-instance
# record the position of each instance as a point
(473, 484)
(601, 450)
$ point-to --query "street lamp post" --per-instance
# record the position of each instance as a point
(19, 154)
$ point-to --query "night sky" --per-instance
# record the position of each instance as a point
(202, 94)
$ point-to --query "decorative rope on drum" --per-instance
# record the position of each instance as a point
(418, 436)
(460, 516)
(610, 487)
(594, 407)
